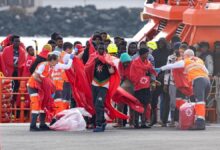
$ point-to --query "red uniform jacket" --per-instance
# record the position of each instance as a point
(139, 70)
(114, 83)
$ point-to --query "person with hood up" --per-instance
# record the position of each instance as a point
(124, 68)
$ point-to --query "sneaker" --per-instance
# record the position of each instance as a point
(145, 126)
(163, 125)
(90, 126)
(172, 124)
(117, 126)
(44, 127)
(104, 126)
(199, 125)
(98, 129)
(136, 126)
(152, 123)
(34, 128)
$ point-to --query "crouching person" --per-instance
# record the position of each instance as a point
(43, 71)
(197, 75)
(141, 71)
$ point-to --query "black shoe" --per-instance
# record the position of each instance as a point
(53, 121)
(89, 126)
(136, 126)
(145, 126)
(104, 126)
(199, 125)
(163, 125)
(34, 128)
(152, 123)
(44, 127)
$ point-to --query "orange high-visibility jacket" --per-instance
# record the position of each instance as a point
(46, 73)
(195, 68)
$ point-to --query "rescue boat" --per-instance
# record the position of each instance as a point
(192, 20)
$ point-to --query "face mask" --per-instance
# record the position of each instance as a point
(76, 50)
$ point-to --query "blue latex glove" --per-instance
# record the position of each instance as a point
(158, 70)
(53, 95)
(71, 56)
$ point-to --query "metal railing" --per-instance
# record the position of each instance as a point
(17, 112)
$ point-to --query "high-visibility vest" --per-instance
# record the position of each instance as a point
(63, 53)
(46, 73)
(57, 77)
(195, 68)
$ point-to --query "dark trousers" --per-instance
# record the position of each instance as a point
(166, 108)
(99, 97)
(143, 96)
(154, 102)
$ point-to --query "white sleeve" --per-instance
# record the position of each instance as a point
(209, 64)
(167, 74)
(66, 58)
(64, 66)
(40, 69)
(179, 64)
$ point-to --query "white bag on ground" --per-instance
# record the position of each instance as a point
(71, 120)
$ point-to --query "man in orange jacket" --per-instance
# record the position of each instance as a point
(197, 74)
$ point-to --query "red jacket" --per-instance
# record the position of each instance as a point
(44, 53)
(139, 69)
(7, 41)
(114, 83)
(8, 60)
(181, 82)
(124, 72)
(29, 61)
